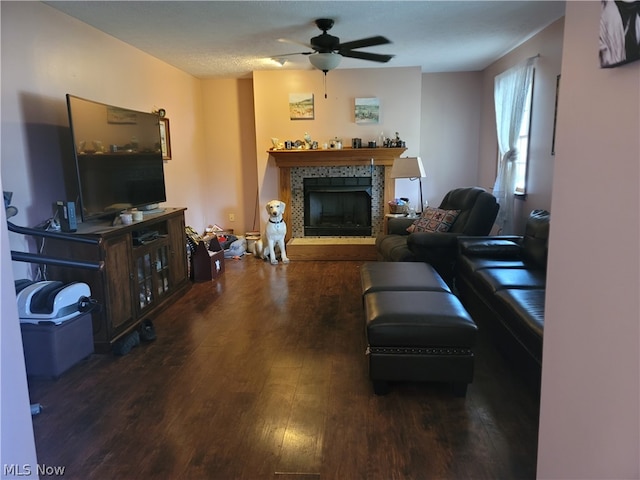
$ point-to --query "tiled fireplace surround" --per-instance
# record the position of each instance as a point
(294, 166)
(297, 193)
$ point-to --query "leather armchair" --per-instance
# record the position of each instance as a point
(478, 211)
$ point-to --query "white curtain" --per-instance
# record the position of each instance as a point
(510, 94)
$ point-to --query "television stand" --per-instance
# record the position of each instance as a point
(145, 269)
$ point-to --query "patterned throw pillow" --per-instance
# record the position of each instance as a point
(434, 220)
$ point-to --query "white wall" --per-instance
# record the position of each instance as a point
(450, 134)
(46, 54)
(590, 404)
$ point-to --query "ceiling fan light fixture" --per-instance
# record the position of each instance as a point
(325, 61)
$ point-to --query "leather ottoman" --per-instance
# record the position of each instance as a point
(419, 336)
(400, 276)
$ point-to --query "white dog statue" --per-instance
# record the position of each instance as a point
(274, 234)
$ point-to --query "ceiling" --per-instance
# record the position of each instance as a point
(233, 39)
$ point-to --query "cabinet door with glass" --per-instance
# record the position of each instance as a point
(163, 270)
(152, 273)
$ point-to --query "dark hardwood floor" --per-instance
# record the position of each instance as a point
(262, 374)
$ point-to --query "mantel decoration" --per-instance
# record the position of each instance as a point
(396, 142)
(334, 144)
(301, 106)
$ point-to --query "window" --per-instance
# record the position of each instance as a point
(513, 103)
(523, 146)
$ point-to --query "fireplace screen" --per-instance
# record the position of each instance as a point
(337, 206)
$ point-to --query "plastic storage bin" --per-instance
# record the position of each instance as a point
(50, 350)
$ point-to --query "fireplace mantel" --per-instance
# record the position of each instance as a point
(335, 157)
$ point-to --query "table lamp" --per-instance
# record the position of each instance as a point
(409, 167)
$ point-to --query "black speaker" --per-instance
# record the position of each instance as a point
(67, 216)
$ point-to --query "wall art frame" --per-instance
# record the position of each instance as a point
(619, 33)
(301, 106)
(165, 138)
(555, 117)
(367, 111)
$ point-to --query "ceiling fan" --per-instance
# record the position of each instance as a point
(327, 51)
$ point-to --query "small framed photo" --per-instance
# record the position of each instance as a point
(165, 139)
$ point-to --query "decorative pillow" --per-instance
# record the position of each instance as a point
(434, 220)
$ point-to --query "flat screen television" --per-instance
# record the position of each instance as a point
(118, 159)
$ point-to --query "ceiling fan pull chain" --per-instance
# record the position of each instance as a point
(324, 81)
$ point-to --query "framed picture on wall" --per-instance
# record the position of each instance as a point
(619, 33)
(555, 117)
(367, 111)
(301, 106)
(165, 139)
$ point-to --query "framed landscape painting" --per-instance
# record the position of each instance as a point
(367, 110)
(301, 106)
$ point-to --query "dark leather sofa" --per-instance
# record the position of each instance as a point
(478, 211)
(501, 281)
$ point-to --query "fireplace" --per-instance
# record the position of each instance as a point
(296, 165)
(337, 206)
(359, 184)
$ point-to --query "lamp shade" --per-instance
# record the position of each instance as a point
(408, 167)
(325, 61)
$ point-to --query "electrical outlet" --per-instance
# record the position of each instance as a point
(232, 217)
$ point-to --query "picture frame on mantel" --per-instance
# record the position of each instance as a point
(165, 139)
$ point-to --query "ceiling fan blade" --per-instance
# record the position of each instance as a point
(365, 42)
(286, 40)
(374, 57)
(290, 54)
